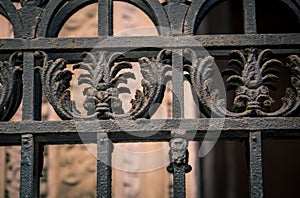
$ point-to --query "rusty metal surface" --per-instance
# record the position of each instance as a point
(27, 167)
(256, 172)
(291, 40)
(252, 80)
(104, 178)
(36, 61)
(120, 131)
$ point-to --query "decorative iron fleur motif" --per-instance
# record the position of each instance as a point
(10, 87)
(251, 84)
(103, 76)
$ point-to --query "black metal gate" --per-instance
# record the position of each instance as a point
(35, 62)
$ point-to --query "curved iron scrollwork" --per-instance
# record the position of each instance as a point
(102, 74)
(251, 83)
(33, 2)
(200, 73)
(155, 77)
(10, 87)
(56, 82)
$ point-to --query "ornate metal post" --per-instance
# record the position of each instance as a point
(179, 157)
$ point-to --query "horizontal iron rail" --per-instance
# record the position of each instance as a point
(145, 130)
(127, 43)
(75, 57)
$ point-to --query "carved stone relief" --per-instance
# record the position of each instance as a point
(130, 21)
(2, 171)
(6, 29)
(76, 172)
(82, 24)
(12, 170)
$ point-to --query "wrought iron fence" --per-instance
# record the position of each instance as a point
(35, 61)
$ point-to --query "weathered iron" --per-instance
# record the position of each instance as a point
(35, 61)
(251, 82)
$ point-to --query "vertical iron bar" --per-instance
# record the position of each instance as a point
(28, 87)
(104, 179)
(179, 182)
(105, 20)
(249, 17)
(256, 174)
(177, 84)
(104, 145)
(179, 188)
(27, 166)
(31, 111)
(179, 156)
(32, 89)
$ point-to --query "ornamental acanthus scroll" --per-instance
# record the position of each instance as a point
(251, 75)
(104, 76)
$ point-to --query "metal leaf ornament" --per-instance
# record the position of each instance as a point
(200, 72)
(251, 77)
(291, 100)
(252, 84)
(10, 87)
(56, 83)
(104, 77)
(155, 77)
